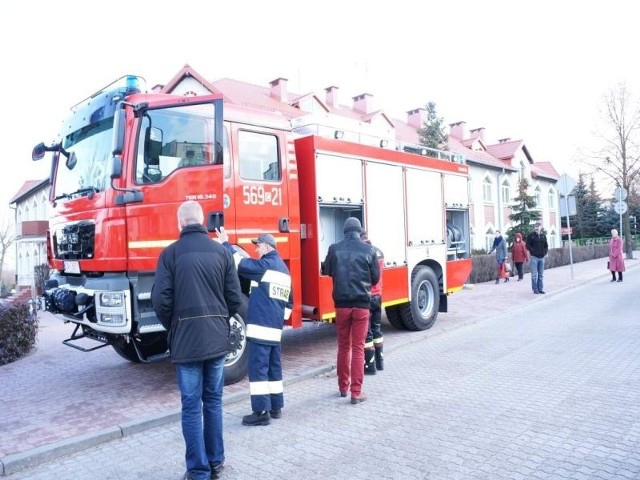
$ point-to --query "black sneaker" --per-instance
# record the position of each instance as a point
(216, 470)
(256, 419)
(275, 413)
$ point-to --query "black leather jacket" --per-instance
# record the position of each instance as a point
(353, 266)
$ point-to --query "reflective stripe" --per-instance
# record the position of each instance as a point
(378, 340)
(264, 333)
(368, 345)
(266, 388)
(287, 313)
(150, 243)
(279, 284)
(276, 387)
(236, 258)
(259, 388)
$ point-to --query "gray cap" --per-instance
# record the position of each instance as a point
(352, 224)
(265, 238)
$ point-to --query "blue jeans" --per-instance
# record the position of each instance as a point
(537, 273)
(201, 385)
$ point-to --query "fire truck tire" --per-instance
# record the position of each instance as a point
(422, 311)
(394, 318)
(235, 368)
(149, 345)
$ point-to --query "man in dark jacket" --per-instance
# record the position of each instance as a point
(538, 248)
(353, 266)
(196, 291)
(270, 304)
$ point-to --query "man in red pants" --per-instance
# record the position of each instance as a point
(353, 266)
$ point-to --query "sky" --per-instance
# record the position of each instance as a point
(535, 71)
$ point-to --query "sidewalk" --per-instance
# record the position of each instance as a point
(59, 401)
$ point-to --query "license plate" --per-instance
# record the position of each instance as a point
(72, 266)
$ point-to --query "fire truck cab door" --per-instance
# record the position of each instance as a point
(257, 188)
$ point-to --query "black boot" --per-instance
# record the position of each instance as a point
(369, 361)
(379, 356)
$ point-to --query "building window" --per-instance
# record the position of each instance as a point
(506, 193)
(487, 191)
(552, 199)
(538, 197)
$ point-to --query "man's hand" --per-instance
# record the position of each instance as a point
(222, 235)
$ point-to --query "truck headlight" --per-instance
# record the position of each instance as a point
(111, 299)
(112, 319)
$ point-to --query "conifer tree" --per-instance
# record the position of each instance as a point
(524, 213)
(432, 134)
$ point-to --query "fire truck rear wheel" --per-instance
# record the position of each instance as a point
(235, 368)
(422, 311)
(394, 317)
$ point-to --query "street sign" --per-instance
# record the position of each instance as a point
(621, 208)
(566, 184)
(620, 194)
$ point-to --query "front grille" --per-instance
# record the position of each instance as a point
(75, 241)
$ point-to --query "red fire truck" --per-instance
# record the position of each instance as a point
(126, 160)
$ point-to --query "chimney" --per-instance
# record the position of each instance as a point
(478, 133)
(363, 103)
(417, 117)
(279, 90)
(457, 130)
(504, 140)
(332, 96)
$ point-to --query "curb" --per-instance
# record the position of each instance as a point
(16, 462)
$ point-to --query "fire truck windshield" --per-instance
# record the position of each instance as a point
(87, 172)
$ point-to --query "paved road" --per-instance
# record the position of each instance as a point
(435, 363)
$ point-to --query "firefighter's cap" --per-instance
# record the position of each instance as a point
(265, 238)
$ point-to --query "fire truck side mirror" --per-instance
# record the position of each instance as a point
(38, 152)
(117, 142)
(115, 167)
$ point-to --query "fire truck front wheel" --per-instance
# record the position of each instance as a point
(235, 368)
(422, 311)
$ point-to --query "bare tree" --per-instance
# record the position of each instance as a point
(619, 156)
(7, 238)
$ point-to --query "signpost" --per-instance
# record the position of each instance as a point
(621, 206)
(566, 184)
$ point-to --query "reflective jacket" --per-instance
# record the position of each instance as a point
(271, 298)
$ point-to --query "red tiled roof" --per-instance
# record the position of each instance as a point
(544, 169)
(477, 156)
(28, 187)
(505, 150)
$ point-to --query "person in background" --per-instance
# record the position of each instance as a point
(196, 290)
(538, 247)
(519, 255)
(616, 256)
(500, 247)
(270, 304)
(353, 267)
(373, 350)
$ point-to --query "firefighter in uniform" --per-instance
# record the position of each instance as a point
(373, 357)
(270, 303)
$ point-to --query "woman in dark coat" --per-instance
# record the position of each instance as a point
(519, 255)
(500, 247)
